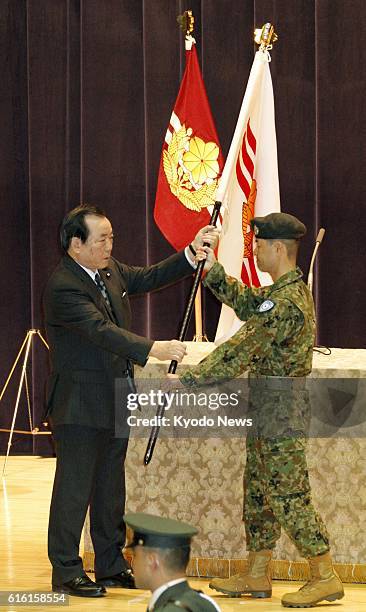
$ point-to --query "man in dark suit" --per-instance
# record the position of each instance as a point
(88, 319)
(161, 548)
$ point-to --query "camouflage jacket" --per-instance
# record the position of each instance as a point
(278, 335)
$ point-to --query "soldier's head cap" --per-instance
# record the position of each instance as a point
(157, 531)
(278, 225)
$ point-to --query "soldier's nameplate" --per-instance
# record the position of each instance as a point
(265, 306)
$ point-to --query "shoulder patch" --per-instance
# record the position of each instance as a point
(266, 306)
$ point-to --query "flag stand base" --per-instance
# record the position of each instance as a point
(200, 338)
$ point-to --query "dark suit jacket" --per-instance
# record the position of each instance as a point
(88, 350)
(182, 597)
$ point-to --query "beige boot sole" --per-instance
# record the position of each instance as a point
(255, 594)
(332, 597)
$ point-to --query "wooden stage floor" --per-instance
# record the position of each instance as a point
(24, 502)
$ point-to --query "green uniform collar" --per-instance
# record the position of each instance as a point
(287, 279)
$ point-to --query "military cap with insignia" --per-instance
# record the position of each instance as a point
(278, 226)
(157, 531)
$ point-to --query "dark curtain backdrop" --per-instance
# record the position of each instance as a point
(86, 94)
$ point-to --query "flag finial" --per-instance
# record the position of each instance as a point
(186, 22)
(265, 37)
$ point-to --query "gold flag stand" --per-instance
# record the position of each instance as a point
(199, 335)
(26, 346)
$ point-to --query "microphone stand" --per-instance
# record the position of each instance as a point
(318, 242)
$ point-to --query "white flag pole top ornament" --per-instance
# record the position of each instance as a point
(249, 184)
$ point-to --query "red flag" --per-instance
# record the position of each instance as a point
(191, 160)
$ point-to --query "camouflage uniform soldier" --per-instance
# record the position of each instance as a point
(276, 346)
(161, 548)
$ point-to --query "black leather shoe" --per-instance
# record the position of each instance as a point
(81, 586)
(123, 580)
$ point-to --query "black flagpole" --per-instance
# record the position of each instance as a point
(182, 334)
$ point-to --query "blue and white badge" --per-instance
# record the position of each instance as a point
(266, 306)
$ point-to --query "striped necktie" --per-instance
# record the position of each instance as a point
(100, 284)
(103, 289)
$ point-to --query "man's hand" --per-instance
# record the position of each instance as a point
(207, 254)
(168, 350)
(209, 234)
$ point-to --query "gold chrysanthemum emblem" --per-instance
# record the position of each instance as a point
(191, 169)
(201, 160)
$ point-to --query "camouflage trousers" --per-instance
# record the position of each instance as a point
(277, 494)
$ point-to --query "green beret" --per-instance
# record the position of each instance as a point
(278, 225)
(158, 531)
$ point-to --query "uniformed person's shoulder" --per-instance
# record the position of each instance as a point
(293, 309)
(303, 289)
(292, 289)
(278, 307)
(298, 296)
(280, 315)
(191, 601)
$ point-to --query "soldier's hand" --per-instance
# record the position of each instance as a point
(171, 383)
(209, 234)
(207, 254)
(168, 350)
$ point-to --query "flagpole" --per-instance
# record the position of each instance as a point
(182, 334)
